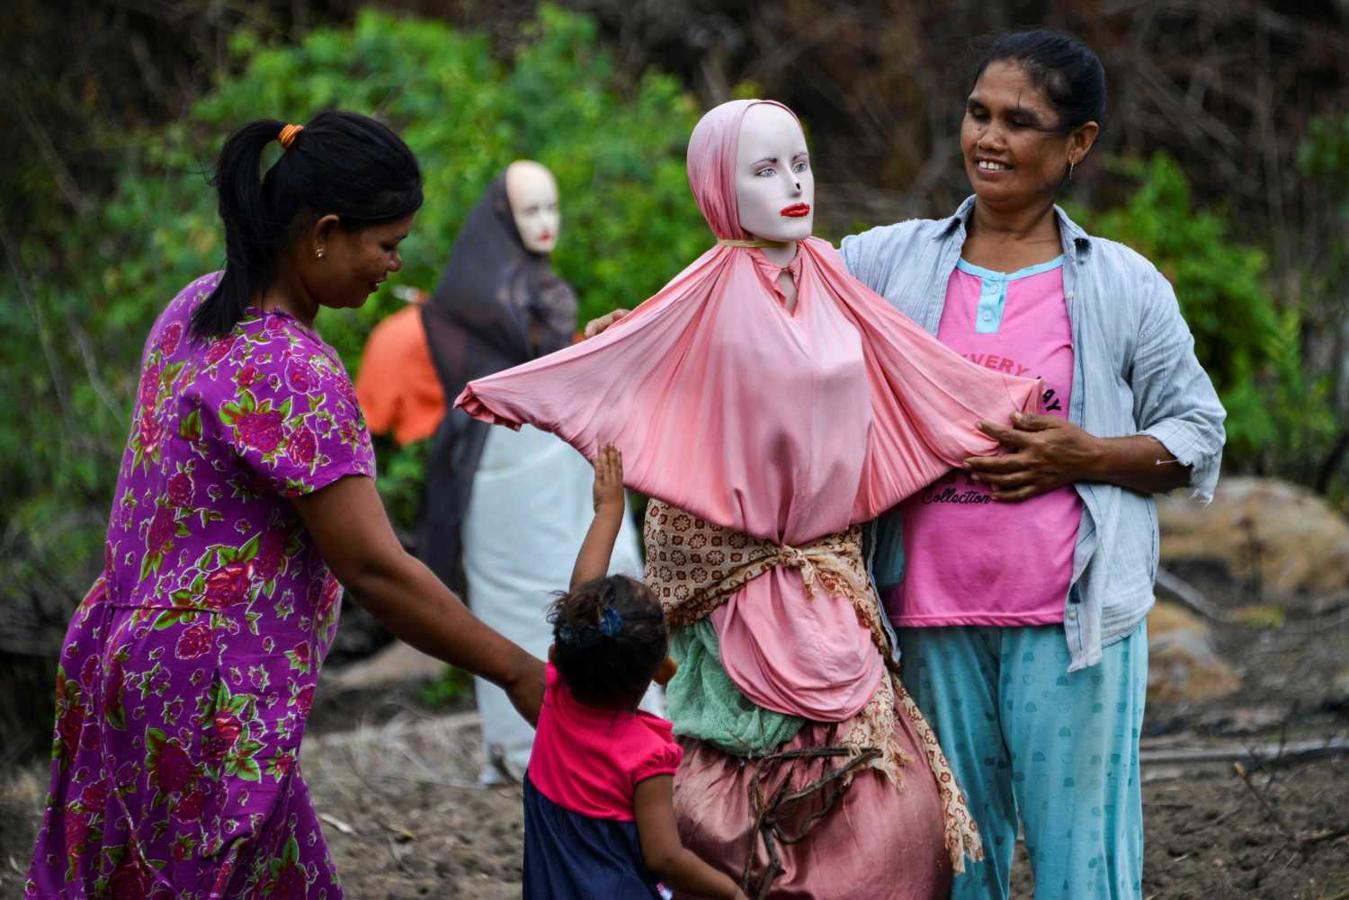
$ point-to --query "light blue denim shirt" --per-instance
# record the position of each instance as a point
(1134, 372)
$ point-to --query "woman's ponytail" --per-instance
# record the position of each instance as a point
(251, 229)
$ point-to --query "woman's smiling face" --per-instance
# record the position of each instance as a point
(1011, 137)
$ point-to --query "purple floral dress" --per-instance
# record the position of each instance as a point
(189, 669)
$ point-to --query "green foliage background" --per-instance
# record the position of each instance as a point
(74, 316)
(74, 310)
(1249, 345)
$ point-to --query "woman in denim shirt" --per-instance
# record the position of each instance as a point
(1019, 587)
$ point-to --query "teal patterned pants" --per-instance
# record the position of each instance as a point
(1031, 743)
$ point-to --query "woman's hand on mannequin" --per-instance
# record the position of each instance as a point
(1047, 452)
(595, 326)
(352, 532)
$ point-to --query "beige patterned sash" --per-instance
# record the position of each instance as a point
(694, 566)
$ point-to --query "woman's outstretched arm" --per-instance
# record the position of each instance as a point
(352, 531)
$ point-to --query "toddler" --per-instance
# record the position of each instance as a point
(599, 813)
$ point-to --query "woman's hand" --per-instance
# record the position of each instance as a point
(1049, 452)
(608, 488)
(595, 326)
(1046, 453)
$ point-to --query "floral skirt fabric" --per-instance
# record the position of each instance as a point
(174, 770)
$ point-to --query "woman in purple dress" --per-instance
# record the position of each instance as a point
(246, 494)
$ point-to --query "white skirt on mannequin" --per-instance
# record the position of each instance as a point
(528, 513)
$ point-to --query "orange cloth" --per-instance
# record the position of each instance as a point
(397, 383)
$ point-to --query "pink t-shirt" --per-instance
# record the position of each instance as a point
(590, 760)
(968, 559)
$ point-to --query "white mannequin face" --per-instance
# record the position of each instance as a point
(532, 193)
(774, 184)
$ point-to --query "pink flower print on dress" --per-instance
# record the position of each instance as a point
(114, 689)
(303, 447)
(183, 844)
(299, 656)
(247, 376)
(328, 596)
(219, 349)
(170, 766)
(77, 831)
(149, 431)
(304, 699)
(163, 528)
(286, 880)
(168, 339)
(128, 882)
(290, 884)
(225, 730)
(69, 715)
(149, 388)
(195, 641)
(89, 671)
(95, 797)
(180, 489)
(228, 585)
(271, 554)
(279, 766)
(300, 376)
(261, 430)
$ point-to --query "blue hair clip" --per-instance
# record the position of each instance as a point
(611, 623)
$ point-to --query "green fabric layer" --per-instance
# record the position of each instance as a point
(704, 703)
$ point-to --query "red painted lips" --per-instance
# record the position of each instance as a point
(796, 210)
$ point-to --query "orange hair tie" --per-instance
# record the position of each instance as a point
(287, 135)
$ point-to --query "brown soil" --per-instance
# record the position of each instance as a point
(1209, 839)
(402, 784)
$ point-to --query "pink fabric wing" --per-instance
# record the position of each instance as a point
(785, 425)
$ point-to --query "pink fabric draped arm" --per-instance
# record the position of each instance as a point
(784, 425)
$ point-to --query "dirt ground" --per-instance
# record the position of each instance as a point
(405, 818)
(1210, 837)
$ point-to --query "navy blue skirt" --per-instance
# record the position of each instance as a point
(569, 856)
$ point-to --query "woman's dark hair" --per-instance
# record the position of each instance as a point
(609, 638)
(1062, 66)
(342, 163)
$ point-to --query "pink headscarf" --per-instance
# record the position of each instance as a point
(711, 159)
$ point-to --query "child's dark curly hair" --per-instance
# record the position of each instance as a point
(609, 639)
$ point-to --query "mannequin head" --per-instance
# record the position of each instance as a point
(774, 184)
(532, 194)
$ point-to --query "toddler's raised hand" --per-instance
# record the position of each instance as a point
(608, 479)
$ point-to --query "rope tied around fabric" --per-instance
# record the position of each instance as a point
(770, 812)
(751, 243)
(694, 566)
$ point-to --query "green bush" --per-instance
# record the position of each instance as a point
(1249, 344)
(74, 316)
